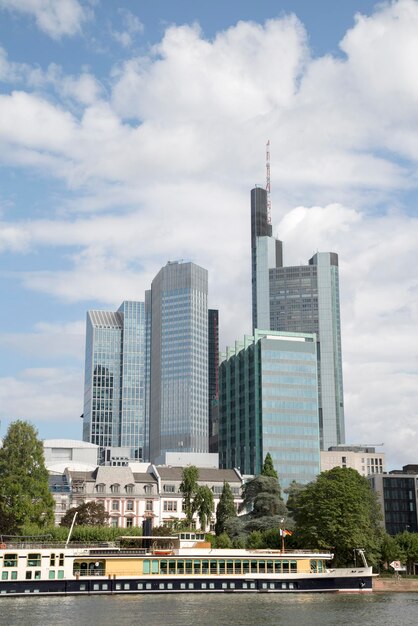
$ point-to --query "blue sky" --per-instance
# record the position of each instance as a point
(131, 134)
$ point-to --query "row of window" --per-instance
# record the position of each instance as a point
(224, 566)
(35, 575)
(34, 560)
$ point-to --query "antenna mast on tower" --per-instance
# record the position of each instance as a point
(268, 181)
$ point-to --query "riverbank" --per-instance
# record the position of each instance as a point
(400, 584)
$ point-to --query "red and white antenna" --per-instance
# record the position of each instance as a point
(268, 181)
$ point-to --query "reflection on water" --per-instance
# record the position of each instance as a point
(210, 610)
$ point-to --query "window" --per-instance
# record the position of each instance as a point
(115, 488)
(129, 522)
(130, 505)
(114, 522)
(4, 575)
(34, 560)
(170, 505)
(52, 560)
(148, 488)
(61, 560)
(100, 488)
(169, 488)
(10, 560)
(129, 488)
(148, 505)
(115, 505)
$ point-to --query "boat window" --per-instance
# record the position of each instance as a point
(245, 567)
(4, 575)
(320, 566)
(60, 574)
(146, 567)
(180, 566)
(61, 560)
(205, 567)
(313, 566)
(253, 567)
(238, 567)
(154, 568)
(230, 567)
(213, 567)
(222, 566)
(277, 567)
(34, 560)
(171, 567)
(163, 567)
(52, 560)
(14, 575)
(269, 567)
(28, 575)
(191, 585)
(189, 567)
(51, 574)
(293, 567)
(10, 560)
(197, 567)
(285, 567)
(37, 575)
(262, 567)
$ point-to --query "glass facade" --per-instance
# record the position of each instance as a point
(179, 360)
(269, 403)
(114, 398)
(303, 299)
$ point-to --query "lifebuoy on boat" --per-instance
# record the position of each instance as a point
(2, 546)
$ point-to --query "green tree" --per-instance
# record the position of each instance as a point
(268, 467)
(188, 488)
(88, 514)
(293, 491)
(24, 492)
(408, 549)
(339, 511)
(203, 505)
(225, 508)
(261, 496)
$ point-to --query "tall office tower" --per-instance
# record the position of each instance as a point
(303, 298)
(114, 388)
(213, 375)
(179, 360)
(268, 402)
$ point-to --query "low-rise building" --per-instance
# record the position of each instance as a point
(397, 494)
(364, 459)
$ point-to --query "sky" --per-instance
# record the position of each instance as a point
(131, 133)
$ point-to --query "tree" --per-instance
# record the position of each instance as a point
(203, 505)
(339, 511)
(293, 491)
(24, 491)
(225, 508)
(88, 514)
(268, 467)
(188, 488)
(407, 549)
(262, 497)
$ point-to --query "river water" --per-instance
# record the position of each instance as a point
(399, 609)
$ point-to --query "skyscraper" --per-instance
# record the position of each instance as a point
(302, 298)
(268, 402)
(114, 389)
(213, 378)
(178, 310)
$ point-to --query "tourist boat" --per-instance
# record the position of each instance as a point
(181, 564)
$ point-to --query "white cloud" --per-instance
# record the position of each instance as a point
(55, 18)
(49, 342)
(132, 27)
(174, 182)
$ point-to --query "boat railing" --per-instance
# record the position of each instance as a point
(56, 545)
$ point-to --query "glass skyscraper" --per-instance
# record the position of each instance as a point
(114, 398)
(268, 402)
(178, 310)
(303, 298)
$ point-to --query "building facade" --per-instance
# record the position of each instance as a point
(147, 498)
(303, 299)
(178, 310)
(213, 378)
(114, 388)
(268, 402)
(364, 459)
(397, 494)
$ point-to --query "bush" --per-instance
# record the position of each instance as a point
(223, 541)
